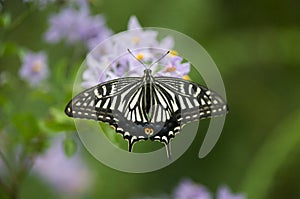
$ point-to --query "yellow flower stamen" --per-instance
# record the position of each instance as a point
(140, 56)
(37, 66)
(173, 52)
(170, 69)
(135, 40)
(186, 77)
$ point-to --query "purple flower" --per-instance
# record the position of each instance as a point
(94, 73)
(75, 26)
(133, 23)
(225, 193)
(138, 37)
(145, 37)
(127, 65)
(34, 68)
(175, 67)
(101, 36)
(68, 176)
(189, 190)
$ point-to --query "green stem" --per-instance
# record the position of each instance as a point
(25, 164)
(5, 161)
(5, 187)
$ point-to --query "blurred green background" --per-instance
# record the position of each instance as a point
(255, 45)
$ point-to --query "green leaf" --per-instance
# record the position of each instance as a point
(55, 127)
(5, 20)
(70, 146)
(57, 122)
(26, 124)
(59, 115)
(8, 48)
(59, 71)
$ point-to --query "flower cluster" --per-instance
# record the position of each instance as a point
(77, 25)
(111, 59)
(187, 189)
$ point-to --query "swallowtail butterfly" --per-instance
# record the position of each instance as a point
(147, 107)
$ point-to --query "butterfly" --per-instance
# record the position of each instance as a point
(147, 107)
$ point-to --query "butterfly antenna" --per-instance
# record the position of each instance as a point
(137, 58)
(160, 58)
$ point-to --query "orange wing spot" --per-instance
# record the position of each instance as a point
(149, 131)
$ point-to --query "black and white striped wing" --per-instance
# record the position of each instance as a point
(193, 100)
(179, 102)
(107, 102)
(99, 102)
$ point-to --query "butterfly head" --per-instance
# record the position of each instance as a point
(147, 72)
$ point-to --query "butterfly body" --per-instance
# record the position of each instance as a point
(147, 107)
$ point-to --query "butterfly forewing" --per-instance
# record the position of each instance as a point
(195, 101)
(102, 102)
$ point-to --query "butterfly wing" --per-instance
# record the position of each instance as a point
(194, 99)
(110, 102)
(187, 102)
